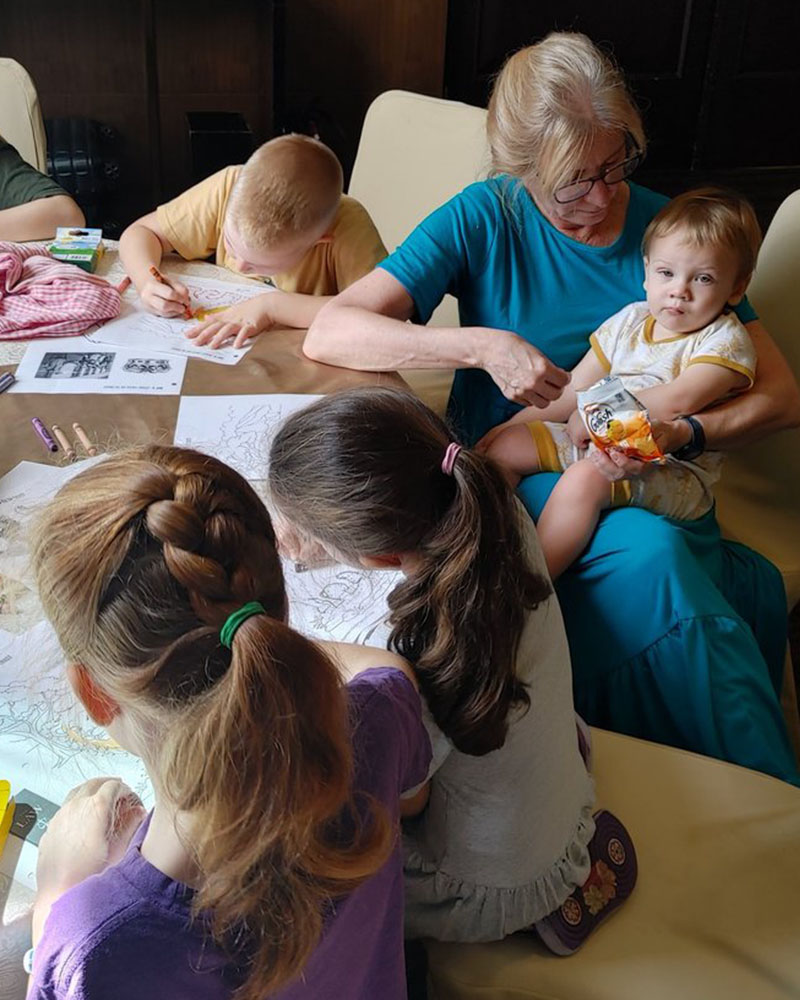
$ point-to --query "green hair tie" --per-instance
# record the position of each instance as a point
(236, 618)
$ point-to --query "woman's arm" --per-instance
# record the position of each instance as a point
(772, 404)
(39, 219)
(366, 327)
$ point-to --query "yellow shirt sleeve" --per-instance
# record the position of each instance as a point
(353, 251)
(356, 246)
(193, 221)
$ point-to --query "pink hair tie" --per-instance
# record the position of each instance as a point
(449, 459)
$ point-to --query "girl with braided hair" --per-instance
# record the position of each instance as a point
(508, 838)
(270, 865)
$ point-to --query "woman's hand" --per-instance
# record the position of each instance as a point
(237, 323)
(91, 831)
(523, 374)
(670, 435)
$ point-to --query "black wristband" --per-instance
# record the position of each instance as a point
(696, 444)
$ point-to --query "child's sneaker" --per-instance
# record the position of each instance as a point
(610, 882)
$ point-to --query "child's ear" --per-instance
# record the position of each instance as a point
(100, 707)
(380, 562)
(737, 293)
(646, 265)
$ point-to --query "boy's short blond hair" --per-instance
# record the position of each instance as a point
(550, 102)
(291, 186)
(711, 216)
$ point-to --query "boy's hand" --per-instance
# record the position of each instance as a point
(238, 323)
(165, 300)
(576, 429)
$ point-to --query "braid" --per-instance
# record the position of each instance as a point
(139, 561)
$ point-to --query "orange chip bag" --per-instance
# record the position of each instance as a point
(616, 419)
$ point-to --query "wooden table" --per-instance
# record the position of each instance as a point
(275, 363)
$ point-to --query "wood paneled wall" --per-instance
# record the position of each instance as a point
(340, 54)
(139, 66)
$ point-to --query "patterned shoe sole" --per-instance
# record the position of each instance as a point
(611, 880)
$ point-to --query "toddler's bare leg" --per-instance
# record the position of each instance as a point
(515, 452)
(571, 513)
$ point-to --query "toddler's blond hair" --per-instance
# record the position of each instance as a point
(290, 186)
(550, 102)
(711, 216)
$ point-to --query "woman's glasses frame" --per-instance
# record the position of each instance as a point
(613, 174)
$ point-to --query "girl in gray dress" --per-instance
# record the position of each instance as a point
(504, 837)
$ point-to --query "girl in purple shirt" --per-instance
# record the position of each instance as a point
(269, 866)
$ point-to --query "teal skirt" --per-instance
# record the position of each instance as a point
(676, 636)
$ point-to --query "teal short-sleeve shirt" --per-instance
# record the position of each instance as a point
(511, 269)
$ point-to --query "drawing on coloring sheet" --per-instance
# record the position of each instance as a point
(237, 430)
(75, 364)
(47, 742)
(139, 329)
(341, 603)
(147, 366)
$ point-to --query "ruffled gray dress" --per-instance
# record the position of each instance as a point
(503, 840)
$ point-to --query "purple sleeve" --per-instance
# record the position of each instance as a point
(391, 747)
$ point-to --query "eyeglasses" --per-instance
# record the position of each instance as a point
(611, 175)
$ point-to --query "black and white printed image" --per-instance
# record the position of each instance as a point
(76, 364)
(147, 366)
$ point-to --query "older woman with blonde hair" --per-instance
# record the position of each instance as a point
(673, 636)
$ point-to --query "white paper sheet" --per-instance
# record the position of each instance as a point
(333, 602)
(236, 429)
(135, 327)
(77, 365)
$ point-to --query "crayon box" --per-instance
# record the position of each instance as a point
(83, 247)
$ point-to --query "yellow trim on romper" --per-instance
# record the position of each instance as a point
(598, 350)
(621, 493)
(647, 333)
(546, 447)
(712, 359)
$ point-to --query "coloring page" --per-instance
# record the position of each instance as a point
(77, 365)
(236, 429)
(135, 327)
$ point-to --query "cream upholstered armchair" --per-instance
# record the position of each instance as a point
(416, 152)
(758, 500)
(21, 122)
(715, 913)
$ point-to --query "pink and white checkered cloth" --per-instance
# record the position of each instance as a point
(42, 297)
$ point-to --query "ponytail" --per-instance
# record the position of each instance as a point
(363, 472)
(266, 804)
(459, 617)
(140, 560)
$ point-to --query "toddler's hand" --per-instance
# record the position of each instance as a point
(616, 465)
(238, 323)
(576, 429)
(163, 300)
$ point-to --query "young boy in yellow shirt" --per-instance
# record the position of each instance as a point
(281, 216)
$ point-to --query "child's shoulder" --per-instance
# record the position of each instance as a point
(106, 915)
(632, 315)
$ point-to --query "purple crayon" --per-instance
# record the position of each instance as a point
(44, 434)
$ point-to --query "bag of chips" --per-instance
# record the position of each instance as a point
(615, 418)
